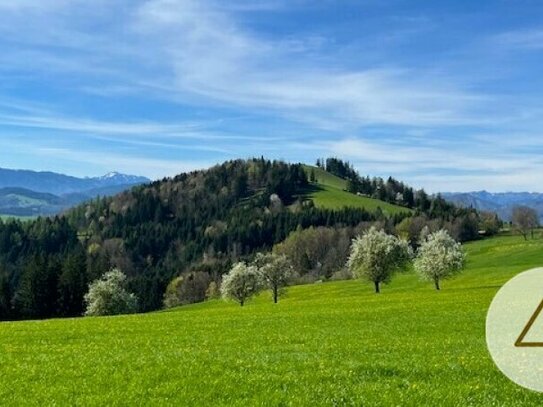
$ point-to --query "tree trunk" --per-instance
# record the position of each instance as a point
(377, 289)
(242, 302)
(275, 294)
(436, 282)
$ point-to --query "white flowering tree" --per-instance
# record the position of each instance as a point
(241, 283)
(108, 296)
(376, 256)
(275, 272)
(439, 257)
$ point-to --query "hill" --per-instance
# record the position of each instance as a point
(60, 184)
(502, 202)
(203, 221)
(200, 221)
(24, 203)
(25, 194)
(324, 344)
(329, 192)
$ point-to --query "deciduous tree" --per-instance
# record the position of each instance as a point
(241, 283)
(525, 220)
(439, 257)
(275, 272)
(376, 256)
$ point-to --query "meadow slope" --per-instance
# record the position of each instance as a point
(324, 344)
(329, 192)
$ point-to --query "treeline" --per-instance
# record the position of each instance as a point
(43, 269)
(463, 224)
(202, 221)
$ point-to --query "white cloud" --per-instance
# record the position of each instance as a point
(199, 48)
(213, 57)
(199, 52)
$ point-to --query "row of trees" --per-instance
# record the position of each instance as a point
(269, 271)
(375, 256)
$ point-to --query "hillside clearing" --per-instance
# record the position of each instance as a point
(329, 192)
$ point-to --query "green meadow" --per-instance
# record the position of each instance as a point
(332, 343)
(329, 192)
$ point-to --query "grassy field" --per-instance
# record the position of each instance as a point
(324, 344)
(329, 192)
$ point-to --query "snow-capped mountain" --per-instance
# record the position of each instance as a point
(30, 193)
(116, 178)
(60, 184)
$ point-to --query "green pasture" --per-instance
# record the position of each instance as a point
(333, 343)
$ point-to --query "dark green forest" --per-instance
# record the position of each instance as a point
(201, 221)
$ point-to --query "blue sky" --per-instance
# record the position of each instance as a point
(444, 95)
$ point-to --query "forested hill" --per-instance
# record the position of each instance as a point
(199, 221)
(202, 220)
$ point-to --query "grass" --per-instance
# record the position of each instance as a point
(324, 344)
(21, 218)
(329, 192)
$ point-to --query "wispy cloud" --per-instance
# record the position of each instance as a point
(521, 39)
(213, 57)
(210, 79)
(472, 165)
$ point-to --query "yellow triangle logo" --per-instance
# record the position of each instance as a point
(520, 342)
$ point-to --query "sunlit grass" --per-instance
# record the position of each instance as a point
(329, 193)
(323, 344)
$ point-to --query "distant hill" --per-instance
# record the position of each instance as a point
(26, 193)
(24, 203)
(502, 202)
(60, 184)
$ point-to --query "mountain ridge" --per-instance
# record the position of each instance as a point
(500, 202)
(43, 193)
(61, 184)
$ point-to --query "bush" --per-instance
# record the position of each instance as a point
(342, 274)
(171, 296)
(108, 296)
(187, 289)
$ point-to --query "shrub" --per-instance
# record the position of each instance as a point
(108, 296)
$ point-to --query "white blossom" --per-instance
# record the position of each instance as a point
(241, 283)
(439, 257)
(375, 256)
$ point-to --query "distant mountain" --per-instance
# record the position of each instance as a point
(59, 184)
(502, 202)
(30, 193)
(24, 202)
